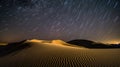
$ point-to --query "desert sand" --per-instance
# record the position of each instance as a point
(57, 53)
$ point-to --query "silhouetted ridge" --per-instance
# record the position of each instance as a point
(13, 47)
(80, 41)
(92, 44)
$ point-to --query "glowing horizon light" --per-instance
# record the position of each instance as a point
(113, 42)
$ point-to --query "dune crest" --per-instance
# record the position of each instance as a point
(55, 42)
(38, 41)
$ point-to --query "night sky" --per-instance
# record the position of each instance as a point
(97, 20)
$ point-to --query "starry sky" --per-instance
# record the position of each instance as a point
(97, 20)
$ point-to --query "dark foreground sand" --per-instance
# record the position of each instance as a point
(59, 55)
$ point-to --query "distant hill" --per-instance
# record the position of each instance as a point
(92, 44)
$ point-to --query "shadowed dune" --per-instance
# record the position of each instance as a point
(13, 47)
(57, 53)
(92, 44)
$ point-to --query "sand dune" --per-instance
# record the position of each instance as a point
(57, 53)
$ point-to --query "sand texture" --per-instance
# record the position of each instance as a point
(59, 54)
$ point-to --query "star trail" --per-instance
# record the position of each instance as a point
(97, 20)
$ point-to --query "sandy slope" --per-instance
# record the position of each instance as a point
(57, 54)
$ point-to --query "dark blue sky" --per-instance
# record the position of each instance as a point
(97, 20)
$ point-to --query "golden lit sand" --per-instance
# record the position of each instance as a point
(52, 55)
